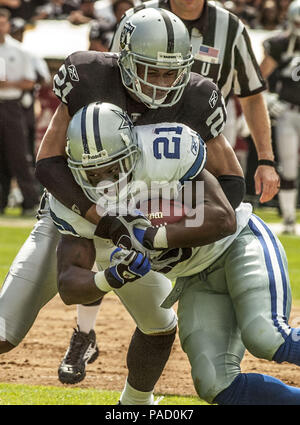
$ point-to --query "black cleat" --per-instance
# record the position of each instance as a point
(82, 350)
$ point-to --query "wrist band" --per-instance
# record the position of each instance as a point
(160, 239)
(101, 282)
(266, 162)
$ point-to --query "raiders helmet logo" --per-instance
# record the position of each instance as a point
(126, 34)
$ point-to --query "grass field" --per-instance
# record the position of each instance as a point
(12, 237)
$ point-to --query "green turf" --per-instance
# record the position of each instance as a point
(11, 239)
(14, 394)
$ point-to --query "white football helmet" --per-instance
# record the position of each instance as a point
(100, 137)
(155, 38)
(293, 16)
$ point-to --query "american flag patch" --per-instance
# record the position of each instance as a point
(207, 54)
(209, 51)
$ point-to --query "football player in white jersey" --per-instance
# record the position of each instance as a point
(233, 293)
(164, 152)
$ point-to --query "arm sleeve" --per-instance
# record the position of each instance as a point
(61, 184)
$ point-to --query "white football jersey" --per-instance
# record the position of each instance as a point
(203, 256)
(170, 153)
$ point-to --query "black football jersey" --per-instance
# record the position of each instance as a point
(285, 50)
(88, 76)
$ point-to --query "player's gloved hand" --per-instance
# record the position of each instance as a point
(152, 238)
(120, 229)
(126, 266)
(169, 258)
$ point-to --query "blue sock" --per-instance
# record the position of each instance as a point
(258, 389)
(289, 351)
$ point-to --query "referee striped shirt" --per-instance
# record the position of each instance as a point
(221, 48)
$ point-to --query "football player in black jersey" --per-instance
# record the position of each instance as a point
(222, 50)
(153, 86)
(282, 60)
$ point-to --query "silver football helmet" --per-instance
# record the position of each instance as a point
(155, 38)
(101, 150)
(293, 16)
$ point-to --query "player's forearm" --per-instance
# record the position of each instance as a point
(218, 222)
(258, 121)
(221, 158)
(77, 286)
(54, 140)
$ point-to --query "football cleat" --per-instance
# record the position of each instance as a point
(289, 227)
(82, 350)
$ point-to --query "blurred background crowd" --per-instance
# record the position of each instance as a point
(38, 102)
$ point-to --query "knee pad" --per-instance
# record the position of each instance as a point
(204, 377)
(211, 372)
(261, 338)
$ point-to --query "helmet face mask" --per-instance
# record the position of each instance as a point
(155, 39)
(104, 169)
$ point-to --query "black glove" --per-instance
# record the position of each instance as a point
(120, 229)
(169, 258)
(129, 267)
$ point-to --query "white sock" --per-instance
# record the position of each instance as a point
(288, 201)
(130, 396)
(86, 317)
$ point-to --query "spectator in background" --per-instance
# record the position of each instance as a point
(102, 31)
(42, 76)
(22, 9)
(10, 3)
(247, 14)
(283, 6)
(62, 9)
(18, 75)
(269, 19)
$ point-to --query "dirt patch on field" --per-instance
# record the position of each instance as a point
(36, 359)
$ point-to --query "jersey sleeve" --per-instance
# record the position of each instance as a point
(64, 80)
(68, 222)
(248, 78)
(194, 155)
(79, 81)
(205, 109)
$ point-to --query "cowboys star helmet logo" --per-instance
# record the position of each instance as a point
(126, 121)
(126, 34)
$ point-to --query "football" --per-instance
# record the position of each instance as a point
(162, 211)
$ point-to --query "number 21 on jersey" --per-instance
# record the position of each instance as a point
(163, 147)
